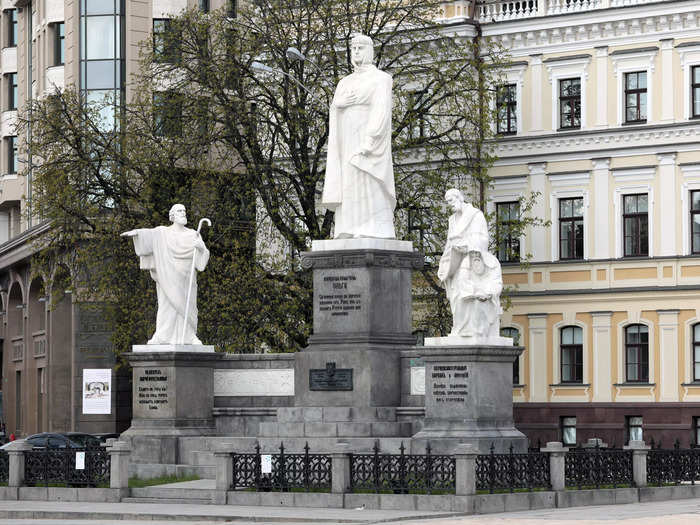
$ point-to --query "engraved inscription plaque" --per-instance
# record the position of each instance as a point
(330, 378)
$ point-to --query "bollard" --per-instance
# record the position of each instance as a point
(340, 468)
(119, 457)
(16, 451)
(465, 469)
(639, 462)
(557, 464)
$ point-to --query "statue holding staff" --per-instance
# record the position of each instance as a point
(359, 182)
(170, 253)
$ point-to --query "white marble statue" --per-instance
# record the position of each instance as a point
(168, 252)
(472, 275)
(359, 182)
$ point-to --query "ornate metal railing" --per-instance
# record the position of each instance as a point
(673, 466)
(4, 466)
(402, 473)
(501, 472)
(58, 466)
(287, 471)
(598, 467)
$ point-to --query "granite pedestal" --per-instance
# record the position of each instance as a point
(347, 381)
(173, 396)
(469, 398)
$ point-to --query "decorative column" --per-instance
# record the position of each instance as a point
(119, 458)
(224, 467)
(536, 90)
(557, 464)
(465, 469)
(668, 204)
(667, 76)
(639, 462)
(601, 209)
(602, 362)
(668, 355)
(538, 235)
(537, 350)
(340, 468)
(16, 452)
(601, 69)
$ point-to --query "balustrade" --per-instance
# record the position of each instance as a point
(506, 10)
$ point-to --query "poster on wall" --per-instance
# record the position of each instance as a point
(97, 390)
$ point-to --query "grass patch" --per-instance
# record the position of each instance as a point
(138, 483)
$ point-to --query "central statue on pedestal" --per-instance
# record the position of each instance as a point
(471, 274)
(359, 182)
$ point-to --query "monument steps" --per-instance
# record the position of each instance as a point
(154, 470)
(174, 501)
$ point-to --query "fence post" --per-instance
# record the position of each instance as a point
(16, 451)
(465, 469)
(557, 464)
(223, 457)
(119, 458)
(639, 462)
(340, 468)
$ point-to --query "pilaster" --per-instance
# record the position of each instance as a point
(536, 91)
(602, 359)
(538, 235)
(537, 347)
(601, 68)
(668, 355)
(667, 77)
(668, 203)
(601, 209)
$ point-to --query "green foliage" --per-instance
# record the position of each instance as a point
(204, 128)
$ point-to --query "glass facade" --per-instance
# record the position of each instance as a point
(102, 53)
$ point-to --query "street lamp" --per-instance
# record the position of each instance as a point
(264, 68)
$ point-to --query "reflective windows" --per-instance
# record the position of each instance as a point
(11, 80)
(636, 225)
(507, 106)
(696, 352)
(637, 353)
(570, 103)
(636, 97)
(507, 216)
(571, 228)
(513, 333)
(59, 49)
(568, 430)
(571, 354)
(695, 91)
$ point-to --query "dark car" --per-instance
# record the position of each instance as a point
(107, 435)
(83, 440)
(52, 440)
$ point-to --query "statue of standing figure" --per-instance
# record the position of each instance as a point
(168, 252)
(472, 275)
(359, 182)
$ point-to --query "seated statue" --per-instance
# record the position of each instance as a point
(472, 275)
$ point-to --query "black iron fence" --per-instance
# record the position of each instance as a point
(69, 466)
(282, 472)
(511, 472)
(673, 466)
(598, 467)
(4, 466)
(402, 473)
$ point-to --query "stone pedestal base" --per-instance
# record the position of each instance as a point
(173, 396)
(469, 398)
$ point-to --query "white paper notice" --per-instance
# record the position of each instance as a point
(266, 464)
(80, 461)
(97, 390)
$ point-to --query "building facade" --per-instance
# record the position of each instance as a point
(599, 116)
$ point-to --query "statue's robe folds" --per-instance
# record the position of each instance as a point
(470, 316)
(167, 253)
(360, 188)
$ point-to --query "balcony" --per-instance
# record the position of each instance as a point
(507, 10)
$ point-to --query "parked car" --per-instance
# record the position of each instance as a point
(83, 440)
(107, 435)
(52, 440)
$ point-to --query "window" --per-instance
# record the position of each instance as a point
(637, 353)
(11, 91)
(636, 97)
(568, 431)
(506, 106)
(695, 221)
(204, 6)
(167, 114)
(570, 103)
(11, 154)
(634, 428)
(12, 27)
(696, 352)
(571, 228)
(696, 431)
(515, 335)
(165, 42)
(507, 215)
(59, 48)
(416, 128)
(231, 7)
(695, 91)
(571, 354)
(636, 225)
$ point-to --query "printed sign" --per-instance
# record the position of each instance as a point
(266, 464)
(80, 461)
(97, 390)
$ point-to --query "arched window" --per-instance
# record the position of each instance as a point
(571, 354)
(696, 352)
(515, 335)
(637, 353)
